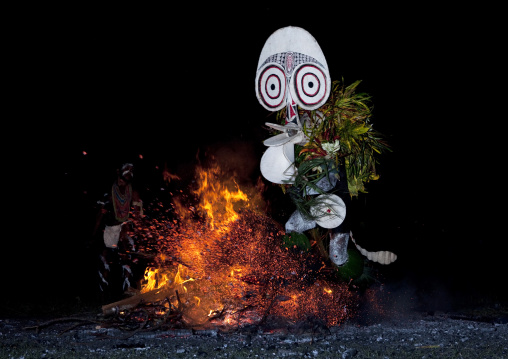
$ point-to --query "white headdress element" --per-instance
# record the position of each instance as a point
(127, 169)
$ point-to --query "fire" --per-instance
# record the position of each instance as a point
(178, 277)
(154, 279)
(217, 201)
(223, 264)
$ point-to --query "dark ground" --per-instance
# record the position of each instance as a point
(481, 333)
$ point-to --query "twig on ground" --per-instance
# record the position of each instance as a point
(61, 320)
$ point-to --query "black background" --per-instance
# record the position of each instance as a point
(167, 84)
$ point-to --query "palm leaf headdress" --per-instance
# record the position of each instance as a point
(339, 134)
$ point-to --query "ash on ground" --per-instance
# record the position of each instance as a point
(480, 333)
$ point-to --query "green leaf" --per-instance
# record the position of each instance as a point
(296, 240)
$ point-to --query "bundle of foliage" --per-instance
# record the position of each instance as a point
(340, 133)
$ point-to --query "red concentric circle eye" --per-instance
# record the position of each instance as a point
(310, 86)
(271, 87)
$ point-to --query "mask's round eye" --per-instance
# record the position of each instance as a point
(310, 86)
(271, 87)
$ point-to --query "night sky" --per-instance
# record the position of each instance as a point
(107, 86)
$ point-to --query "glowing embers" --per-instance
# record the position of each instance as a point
(226, 267)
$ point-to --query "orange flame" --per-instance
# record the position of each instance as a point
(217, 201)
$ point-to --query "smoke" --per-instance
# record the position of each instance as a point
(238, 158)
(403, 298)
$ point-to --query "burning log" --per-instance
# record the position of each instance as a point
(132, 302)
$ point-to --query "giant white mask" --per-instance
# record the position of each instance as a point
(292, 71)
